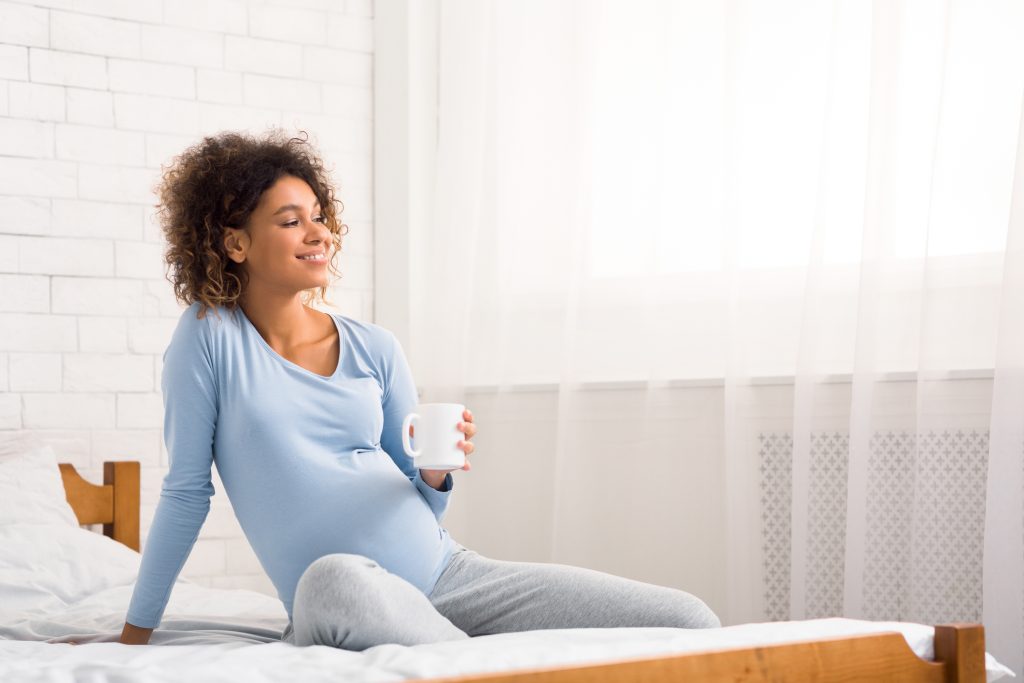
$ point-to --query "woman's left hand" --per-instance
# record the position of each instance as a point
(436, 478)
(469, 429)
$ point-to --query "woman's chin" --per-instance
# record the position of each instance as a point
(321, 282)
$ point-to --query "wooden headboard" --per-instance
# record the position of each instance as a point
(115, 504)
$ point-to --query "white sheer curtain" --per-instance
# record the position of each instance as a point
(736, 292)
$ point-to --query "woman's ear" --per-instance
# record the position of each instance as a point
(236, 243)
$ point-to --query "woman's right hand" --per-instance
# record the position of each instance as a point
(135, 635)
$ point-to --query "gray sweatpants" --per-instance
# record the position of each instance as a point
(351, 602)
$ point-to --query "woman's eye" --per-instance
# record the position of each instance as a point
(294, 223)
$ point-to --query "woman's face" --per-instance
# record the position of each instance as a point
(286, 225)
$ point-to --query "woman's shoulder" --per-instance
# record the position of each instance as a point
(200, 324)
(365, 329)
(373, 341)
(212, 317)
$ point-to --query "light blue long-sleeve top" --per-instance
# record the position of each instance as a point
(311, 464)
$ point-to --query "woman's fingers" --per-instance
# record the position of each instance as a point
(469, 429)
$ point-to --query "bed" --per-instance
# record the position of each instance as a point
(64, 591)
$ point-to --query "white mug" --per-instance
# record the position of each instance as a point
(437, 435)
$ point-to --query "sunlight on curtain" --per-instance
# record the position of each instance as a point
(734, 290)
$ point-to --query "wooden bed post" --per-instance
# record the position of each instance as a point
(124, 477)
(961, 647)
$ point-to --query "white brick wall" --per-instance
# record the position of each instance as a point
(95, 95)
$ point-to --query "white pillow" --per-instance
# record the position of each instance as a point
(44, 567)
(31, 489)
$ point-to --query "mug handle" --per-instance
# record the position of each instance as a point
(406, 423)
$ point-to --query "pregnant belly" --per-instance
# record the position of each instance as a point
(361, 503)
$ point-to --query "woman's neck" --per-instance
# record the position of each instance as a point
(284, 322)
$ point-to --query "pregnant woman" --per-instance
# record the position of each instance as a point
(301, 411)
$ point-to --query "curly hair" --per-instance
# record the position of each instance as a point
(217, 183)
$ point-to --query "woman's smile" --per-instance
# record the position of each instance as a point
(317, 259)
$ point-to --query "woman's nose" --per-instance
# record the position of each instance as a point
(322, 232)
(323, 236)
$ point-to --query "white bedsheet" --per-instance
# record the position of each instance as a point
(48, 595)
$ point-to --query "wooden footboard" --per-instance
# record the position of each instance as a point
(959, 648)
(959, 654)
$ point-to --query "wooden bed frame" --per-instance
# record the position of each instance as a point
(959, 648)
(115, 504)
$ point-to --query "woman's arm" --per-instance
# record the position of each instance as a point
(400, 399)
(191, 404)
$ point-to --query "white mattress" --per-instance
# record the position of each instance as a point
(60, 585)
